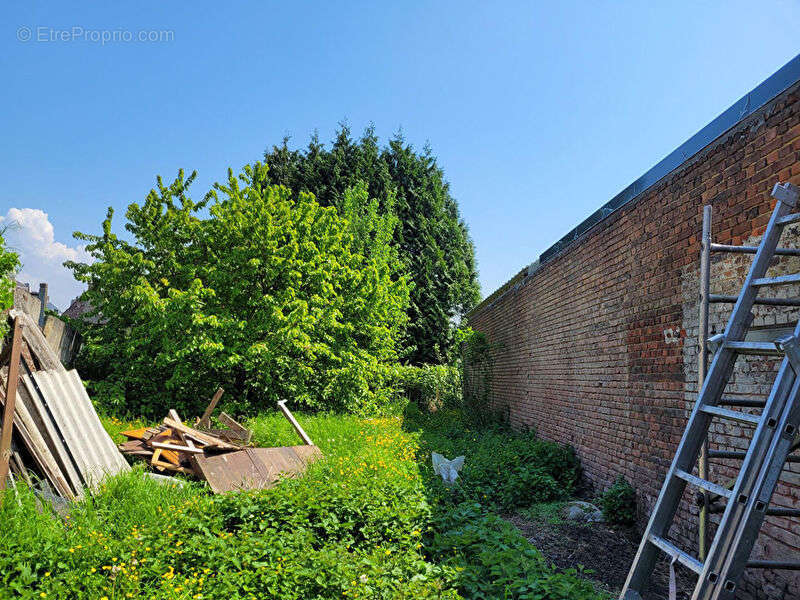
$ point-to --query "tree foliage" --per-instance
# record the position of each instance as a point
(431, 239)
(9, 263)
(254, 288)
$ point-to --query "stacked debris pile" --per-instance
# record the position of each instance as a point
(222, 457)
(51, 436)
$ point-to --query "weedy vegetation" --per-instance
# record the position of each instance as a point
(370, 521)
(618, 503)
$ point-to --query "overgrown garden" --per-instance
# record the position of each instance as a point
(371, 521)
(337, 279)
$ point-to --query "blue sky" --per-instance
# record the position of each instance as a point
(539, 112)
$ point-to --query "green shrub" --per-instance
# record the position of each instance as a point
(269, 296)
(432, 240)
(9, 262)
(504, 468)
(430, 387)
(619, 503)
(491, 559)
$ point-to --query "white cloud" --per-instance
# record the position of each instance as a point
(30, 234)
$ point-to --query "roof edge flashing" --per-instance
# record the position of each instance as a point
(773, 86)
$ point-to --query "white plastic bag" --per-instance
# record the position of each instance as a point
(448, 469)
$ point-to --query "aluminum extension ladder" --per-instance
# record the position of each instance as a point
(747, 502)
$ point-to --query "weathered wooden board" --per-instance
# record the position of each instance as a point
(37, 343)
(135, 448)
(229, 435)
(253, 468)
(135, 434)
(198, 435)
(297, 427)
(11, 400)
(204, 421)
(237, 430)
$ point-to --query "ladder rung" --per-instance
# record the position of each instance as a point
(671, 549)
(783, 512)
(753, 348)
(765, 301)
(743, 402)
(788, 219)
(773, 564)
(703, 484)
(739, 455)
(715, 509)
(781, 280)
(752, 249)
(731, 414)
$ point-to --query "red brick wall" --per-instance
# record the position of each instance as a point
(597, 348)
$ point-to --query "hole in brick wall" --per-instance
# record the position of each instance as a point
(790, 429)
(713, 578)
(761, 506)
(772, 423)
(730, 585)
(742, 498)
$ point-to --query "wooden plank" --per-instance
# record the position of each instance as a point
(205, 420)
(136, 448)
(229, 421)
(135, 434)
(198, 435)
(230, 472)
(243, 432)
(20, 468)
(37, 343)
(10, 402)
(173, 414)
(253, 468)
(161, 466)
(290, 417)
(229, 435)
(187, 440)
(154, 459)
(177, 448)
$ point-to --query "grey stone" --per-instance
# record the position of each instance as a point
(585, 512)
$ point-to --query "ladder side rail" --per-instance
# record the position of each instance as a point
(759, 448)
(745, 537)
(689, 448)
(688, 451)
(739, 319)
(746, 481)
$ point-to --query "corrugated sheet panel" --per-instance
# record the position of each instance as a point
(92, 449)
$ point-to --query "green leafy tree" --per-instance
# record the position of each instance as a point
(431, 239)
(9, 263)
(270, 295)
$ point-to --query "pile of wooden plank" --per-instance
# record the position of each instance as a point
(172, 445)
(219, 456)
(51, 436)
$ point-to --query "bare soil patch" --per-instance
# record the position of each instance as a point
(605, 550)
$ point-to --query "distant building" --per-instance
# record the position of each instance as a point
(63, 339)
(34, 304)
(78, 309)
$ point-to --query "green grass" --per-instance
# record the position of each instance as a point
(369, 521)
(545, 512)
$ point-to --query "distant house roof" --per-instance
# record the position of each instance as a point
(78, 309)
